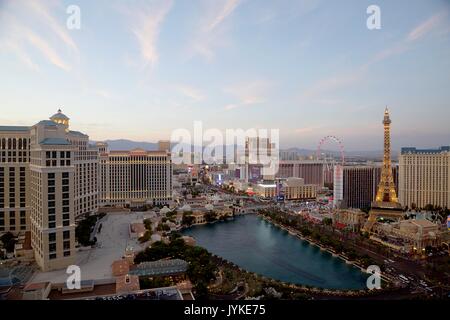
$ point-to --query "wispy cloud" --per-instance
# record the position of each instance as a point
(416, 34)
(58, 28)
(225, 11)
(284, 10)
(146, 26)
(191, 92)
(426, 27)
(247, 94)
(351, 77)
(211, 34)
(24, 20)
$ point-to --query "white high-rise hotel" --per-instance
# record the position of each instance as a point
(50, 175)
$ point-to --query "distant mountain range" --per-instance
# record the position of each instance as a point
(124, 144)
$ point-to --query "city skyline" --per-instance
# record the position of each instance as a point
(333, 75)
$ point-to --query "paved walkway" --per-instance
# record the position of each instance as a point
(95, 263)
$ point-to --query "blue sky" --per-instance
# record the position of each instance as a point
(140, 69)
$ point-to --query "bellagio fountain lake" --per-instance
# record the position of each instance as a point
(258, 246)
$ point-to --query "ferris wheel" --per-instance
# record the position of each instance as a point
(330, 159)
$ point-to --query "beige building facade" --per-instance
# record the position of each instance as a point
(14, 174)
(292, 188)
(48, 176)
(134, 178)
(424, 177)
(52, 187)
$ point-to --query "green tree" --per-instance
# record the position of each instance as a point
(187, 219)
(146, 237)
(148, 224)
(327, 221)
(210, 216)
(8, 241)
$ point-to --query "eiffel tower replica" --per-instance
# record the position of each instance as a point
(386, 203)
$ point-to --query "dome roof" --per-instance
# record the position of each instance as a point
(59, 116)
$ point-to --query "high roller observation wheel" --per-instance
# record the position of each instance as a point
(334, 139)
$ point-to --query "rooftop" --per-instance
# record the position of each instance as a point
(120, 267)
(55, 141)
(412, 150)
(47, 123)
(14, 128)
(77, 133)
(160, 268)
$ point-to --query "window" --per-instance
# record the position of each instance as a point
(51, 175)
(66, 234)
(66, 223)
(66, 245)
(65, 175)
(52, 225)
(66, 253)
(52, 247)
(52, 237)
(52, 256)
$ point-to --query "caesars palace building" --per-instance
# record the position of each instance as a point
(50, 175)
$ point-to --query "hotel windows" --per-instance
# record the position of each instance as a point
(52, 247)
(66, 245)
(66, 234)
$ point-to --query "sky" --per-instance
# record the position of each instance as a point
(140, 69)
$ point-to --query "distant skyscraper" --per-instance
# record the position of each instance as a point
(310, 170)
(164, 145)
(425, 177)
(360, 185)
